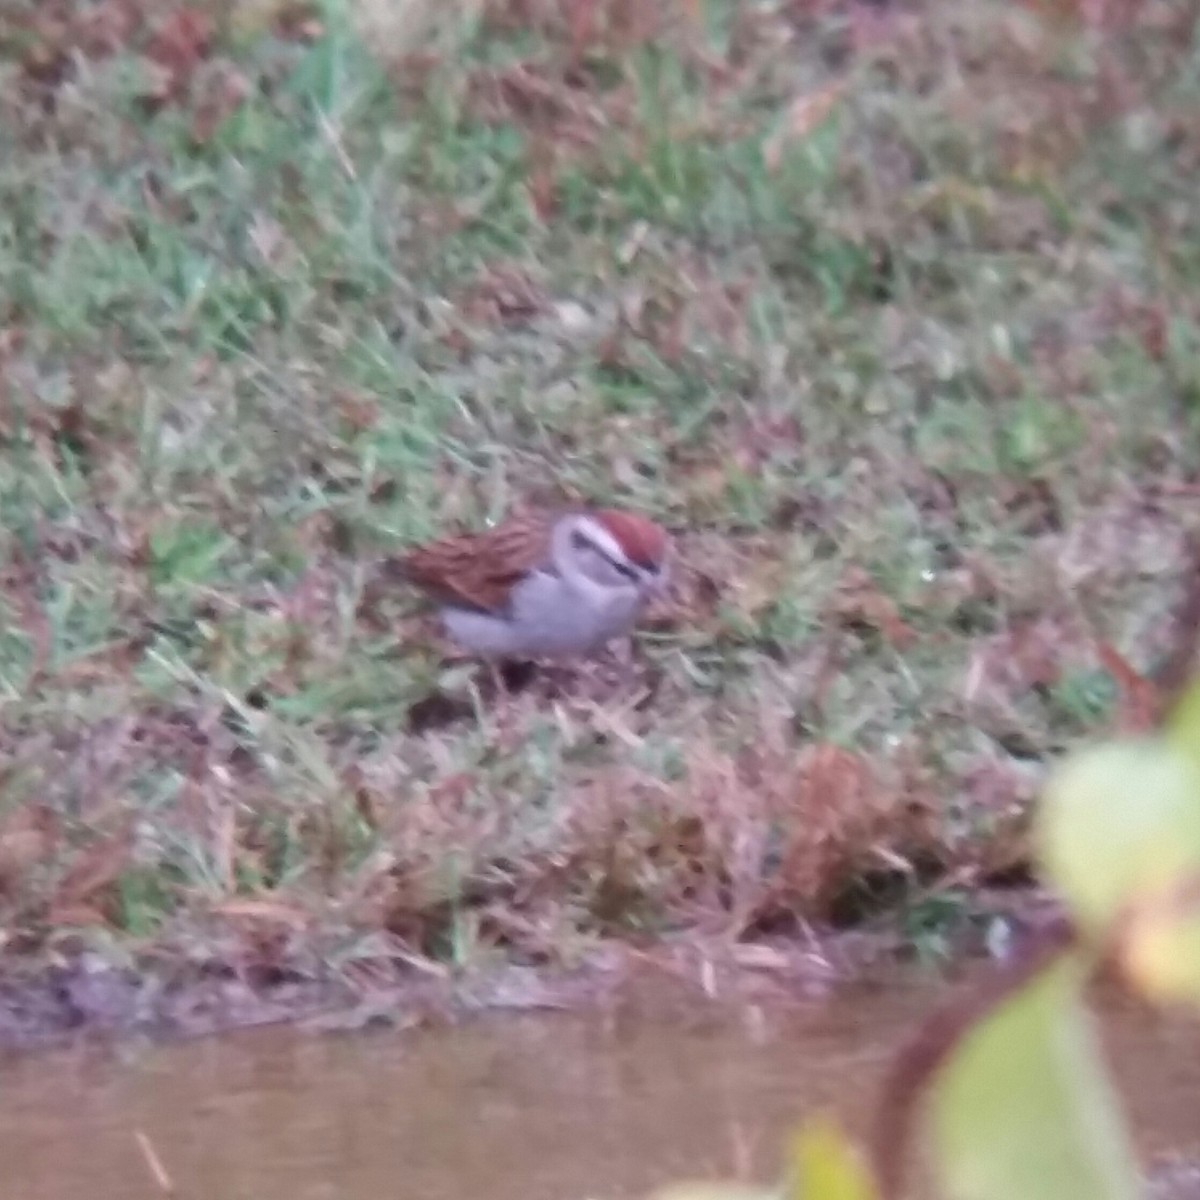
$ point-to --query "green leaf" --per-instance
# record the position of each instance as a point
(826, 1167)
(1183, 725)
(1118, 824)
(1023, 1111)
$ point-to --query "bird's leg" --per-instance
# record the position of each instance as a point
(499, 685)
(512, 675)
(622, 652)
(482, 699)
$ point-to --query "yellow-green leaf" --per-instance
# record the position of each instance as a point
(825, 1166)
(1160, 948)
(1183, 725)
(1023, 1110)
(1118, 822)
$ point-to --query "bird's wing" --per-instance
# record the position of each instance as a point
(481, 569)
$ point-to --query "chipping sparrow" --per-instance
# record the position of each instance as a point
(543, 585)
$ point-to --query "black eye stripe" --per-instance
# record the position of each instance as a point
(581, 541)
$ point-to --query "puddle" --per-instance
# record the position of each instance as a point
(560, 1106)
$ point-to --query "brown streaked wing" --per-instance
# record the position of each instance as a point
(480, 569)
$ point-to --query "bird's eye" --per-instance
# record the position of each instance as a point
(581, 542)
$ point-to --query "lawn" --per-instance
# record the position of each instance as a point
(887, 311)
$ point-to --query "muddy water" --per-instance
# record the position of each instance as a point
(553, 1106)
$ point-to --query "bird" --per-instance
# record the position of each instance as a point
(543, 584)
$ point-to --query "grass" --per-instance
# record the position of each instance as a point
(890, 314)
